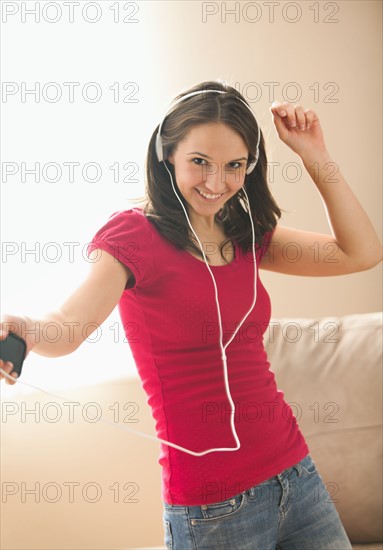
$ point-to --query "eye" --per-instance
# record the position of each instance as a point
(234, 165)
(198, 159)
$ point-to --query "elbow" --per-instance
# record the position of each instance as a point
(370, 262)
(376, 257)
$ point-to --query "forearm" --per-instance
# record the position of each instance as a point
(52, 335)
(349, 223)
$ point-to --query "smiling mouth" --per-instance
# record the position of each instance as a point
(209, 196)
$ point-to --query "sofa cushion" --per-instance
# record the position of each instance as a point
(330, 371)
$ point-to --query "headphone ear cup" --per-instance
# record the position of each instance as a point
(159, 150)
(251, 166)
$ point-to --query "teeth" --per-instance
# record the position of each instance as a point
(208, 195)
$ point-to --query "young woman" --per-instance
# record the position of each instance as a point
(236, 470)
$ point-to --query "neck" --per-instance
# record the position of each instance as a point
(203, 225)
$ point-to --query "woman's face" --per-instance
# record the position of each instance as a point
(210, 166)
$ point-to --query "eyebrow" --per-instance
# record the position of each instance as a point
(207, 156)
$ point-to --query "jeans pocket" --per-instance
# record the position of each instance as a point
(168, 537)
(220, 510)
(308, 465)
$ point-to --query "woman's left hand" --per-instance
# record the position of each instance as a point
(289, 119)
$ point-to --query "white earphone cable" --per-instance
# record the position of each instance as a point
(223, 356)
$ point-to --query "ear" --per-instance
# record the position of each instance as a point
(170, 158)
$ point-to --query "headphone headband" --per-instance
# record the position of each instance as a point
(159, 146)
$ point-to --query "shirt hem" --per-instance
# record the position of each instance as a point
(280, 467)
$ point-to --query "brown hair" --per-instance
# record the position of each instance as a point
(162, 207)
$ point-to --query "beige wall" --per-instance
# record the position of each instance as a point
(175, 49)
(335, 68)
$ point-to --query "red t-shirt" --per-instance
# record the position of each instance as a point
(171, 322)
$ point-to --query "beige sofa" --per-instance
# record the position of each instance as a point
(331, 369)
(330, 372)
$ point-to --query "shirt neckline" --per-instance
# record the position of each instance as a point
(233, 262)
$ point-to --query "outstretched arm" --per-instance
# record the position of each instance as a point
(80, 315)
(353, 245)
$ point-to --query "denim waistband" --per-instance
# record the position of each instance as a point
(299, 467)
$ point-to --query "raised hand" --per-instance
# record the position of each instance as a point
(299, 128)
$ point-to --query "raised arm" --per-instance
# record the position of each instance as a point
(353, 244)
(80, 315)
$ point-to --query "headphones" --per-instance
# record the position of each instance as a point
(159, 147)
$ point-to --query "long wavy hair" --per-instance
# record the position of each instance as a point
(162, 207)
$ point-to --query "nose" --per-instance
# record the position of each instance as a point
(214, 179)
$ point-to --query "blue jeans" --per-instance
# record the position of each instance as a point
(290, 511)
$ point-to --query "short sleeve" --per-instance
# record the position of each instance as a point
(265, 244)
(127, 236)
